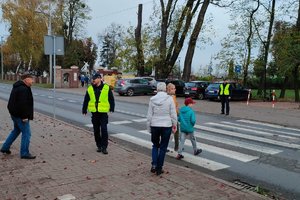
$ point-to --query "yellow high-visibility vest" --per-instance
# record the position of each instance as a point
(225, 90)
(103, 104)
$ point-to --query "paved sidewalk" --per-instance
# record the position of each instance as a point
(67, 163)
(284, 113)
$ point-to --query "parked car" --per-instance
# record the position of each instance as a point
(238, 91)
(151, 80)
(195, 89)
(132, 86)
(179, 84)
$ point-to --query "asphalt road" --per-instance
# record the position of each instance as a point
(239, 149)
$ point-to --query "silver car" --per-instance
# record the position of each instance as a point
(133, 86)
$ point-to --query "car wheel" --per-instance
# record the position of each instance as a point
(130, 92)
(200, 96)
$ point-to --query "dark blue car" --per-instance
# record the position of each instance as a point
(238, 91)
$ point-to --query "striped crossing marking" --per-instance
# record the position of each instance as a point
(121, 122)
(236, 143)
(249, 137)
(196, 160)
(140, 120)
(250, 130)
(263, 129)
(221, 151)
(267, 124)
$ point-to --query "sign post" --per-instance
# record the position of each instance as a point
(54, 45)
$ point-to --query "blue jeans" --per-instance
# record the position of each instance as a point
(160, 137)
(19, 126)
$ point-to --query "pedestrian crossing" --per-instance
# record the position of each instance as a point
(242, 141)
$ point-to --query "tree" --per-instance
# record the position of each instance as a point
(75, 14)
(27, 30)
(139, 44)
(111, 42)
(193, 40)
(90, 52)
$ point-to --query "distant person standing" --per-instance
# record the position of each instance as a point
(20, 107)
(161, 121)
(82, 80)
(187, 120)
(99, 100)
(224, 96)
(171, 90)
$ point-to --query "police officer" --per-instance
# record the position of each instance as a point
(224, 96)
(99, 100)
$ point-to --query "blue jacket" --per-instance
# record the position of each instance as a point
(187, 119)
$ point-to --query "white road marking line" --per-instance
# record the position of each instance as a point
(61, 99)
(267, 124)
(131, 113)
(140, 120)
(72, 101)
(221, 151)
(249, 137)
(264, 129)
(89, 125)
(121, 122)
(250, 130)
(50, 97)
(196, 160)
(236, 143)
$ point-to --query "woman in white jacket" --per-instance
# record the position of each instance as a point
(161, 121)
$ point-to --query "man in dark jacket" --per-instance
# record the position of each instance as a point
(99, 100)
(20, 107)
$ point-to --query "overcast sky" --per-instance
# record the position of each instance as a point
(105, 12)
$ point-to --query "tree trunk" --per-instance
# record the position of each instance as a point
(193, 40)
(139, 45)
(249, 44)
(296, 82)
(267, 45)
(283, 87)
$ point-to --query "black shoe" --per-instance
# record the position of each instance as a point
(6, 151)
(179, 157)
(197, 152)
(104, 151)
(222, 113)
(227, 113)
(29, 156)
(99, 149)
(159, 172)
(153, 170)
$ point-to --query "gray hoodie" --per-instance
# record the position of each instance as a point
(161, 111)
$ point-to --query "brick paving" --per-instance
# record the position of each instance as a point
(67, 163)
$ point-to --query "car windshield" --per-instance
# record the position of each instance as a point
(190, 84)
(213, 86)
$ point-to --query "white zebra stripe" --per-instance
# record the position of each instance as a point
(249, 137)
(250, 130)
(196, 160)
(267, 124)
(221, 151)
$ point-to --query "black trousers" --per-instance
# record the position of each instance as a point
(100, 121)
(225, 103)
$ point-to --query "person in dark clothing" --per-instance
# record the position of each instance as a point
(99, 100)
(224, 96)
(20, 107)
